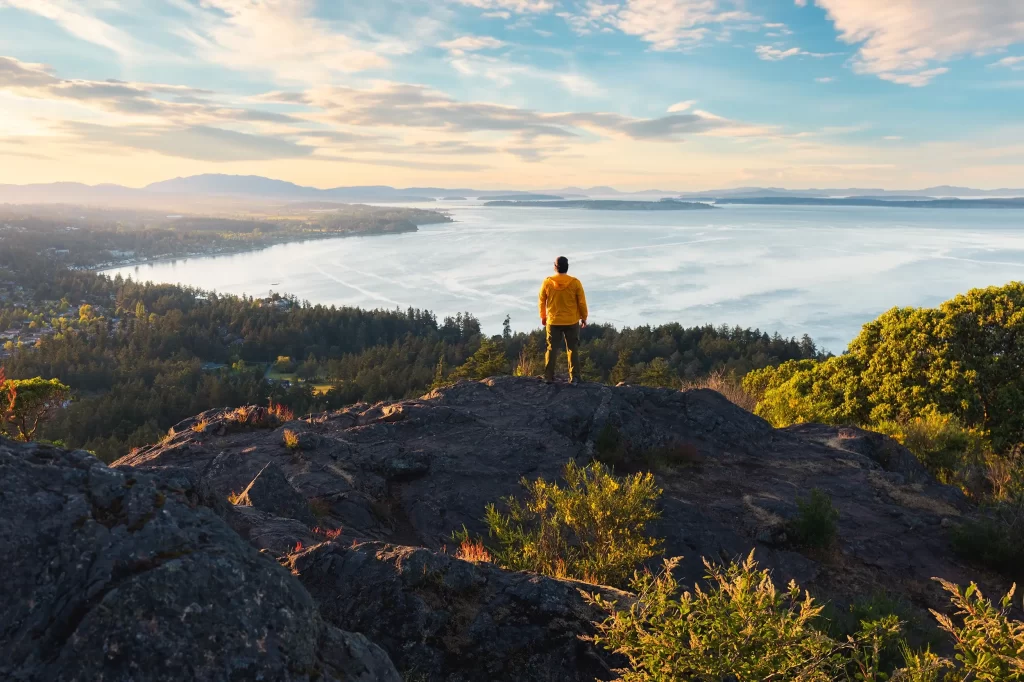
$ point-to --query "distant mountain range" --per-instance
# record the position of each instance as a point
(214, 190)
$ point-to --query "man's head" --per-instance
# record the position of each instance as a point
(562, 265)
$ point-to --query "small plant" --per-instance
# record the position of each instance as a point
(201, 426)
(730, 388)
(816, 523)
(995, 539)
(739, 627)
(591, 529)
(291, 439)
(280, 412)
(329, 534)
(989, 645)
(473, 551)
(298, 547)
(234, 498)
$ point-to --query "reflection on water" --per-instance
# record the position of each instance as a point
(795, 269)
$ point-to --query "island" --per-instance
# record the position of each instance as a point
(453, 198)
(521, 197)
(610, 205)
(1017, 203)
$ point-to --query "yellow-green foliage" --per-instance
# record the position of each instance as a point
(741, 627)
(963, 359)
(290, 439)
(939, 441)
(592, 528)
(25, 404)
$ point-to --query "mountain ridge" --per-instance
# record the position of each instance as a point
(215, 185)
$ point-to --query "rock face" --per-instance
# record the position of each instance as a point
(446, 619)
(121, 575)
(411, 472)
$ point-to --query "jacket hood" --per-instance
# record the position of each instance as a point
(561, 281)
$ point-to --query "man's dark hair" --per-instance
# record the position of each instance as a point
(562, 264)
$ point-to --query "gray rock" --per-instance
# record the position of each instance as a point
(271, 492)
(443, 619)
(120, 575)
(413, 479)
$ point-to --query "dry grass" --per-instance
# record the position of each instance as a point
(473, 551)
(527, 364)
(234, 498)
(728, 386)
(280, 412)
(201, 426)
(291, 439)
(329, 534)
(257, 417)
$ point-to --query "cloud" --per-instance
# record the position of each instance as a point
(1014, 63)
(282, 37)
(775, 54)
(681, 106)
(893, 138)
(75, 18)
(825, 79)
(465, 44)
(914, 80)
(903, 41)
(518, 6)
(665, 24)
(201, 143)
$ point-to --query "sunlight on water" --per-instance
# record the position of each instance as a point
(796, 269)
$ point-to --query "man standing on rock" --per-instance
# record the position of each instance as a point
(563, 311)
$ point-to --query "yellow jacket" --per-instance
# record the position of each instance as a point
(562, 301)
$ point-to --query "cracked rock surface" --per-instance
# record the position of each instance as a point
(117, 574)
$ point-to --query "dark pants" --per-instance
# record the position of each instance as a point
(557, 334)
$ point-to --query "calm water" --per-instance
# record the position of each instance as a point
(820, 270)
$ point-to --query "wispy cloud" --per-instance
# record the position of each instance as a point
(770, 53)
(464, 44)
(79, 18)
(506, 6)
(665, 24)
(902, 41)
(1014, 63)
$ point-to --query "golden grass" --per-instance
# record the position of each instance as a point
(474, 551)
(729, 387)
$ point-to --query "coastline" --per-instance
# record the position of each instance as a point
(291, 239)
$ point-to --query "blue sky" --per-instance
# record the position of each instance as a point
(673, 94)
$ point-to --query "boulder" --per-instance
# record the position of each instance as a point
(121, 575)
(442, 619)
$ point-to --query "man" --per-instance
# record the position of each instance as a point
(563, 311)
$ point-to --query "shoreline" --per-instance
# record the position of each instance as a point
(100, 269)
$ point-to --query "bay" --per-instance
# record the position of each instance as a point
(820, 270)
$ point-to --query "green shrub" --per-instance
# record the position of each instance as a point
(489, 360)
(612, 450)
(989, 646)
(815, 525)
(591, 529)
(741, 627)
(738, 627)
(995, 539)
(939, 441)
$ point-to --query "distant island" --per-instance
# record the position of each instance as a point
(522, 197)
(453, 198)
(609, 205)
(869, 201)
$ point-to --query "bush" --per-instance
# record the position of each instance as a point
(591, 529)
(740, 627)
(995, 539)
(815, 525)
(939, 441)
(611, 449)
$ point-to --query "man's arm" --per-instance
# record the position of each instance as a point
(581, 304)
(542, 303)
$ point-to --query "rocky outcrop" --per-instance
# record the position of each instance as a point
(443, 619)
(409, 473)
(116, 574)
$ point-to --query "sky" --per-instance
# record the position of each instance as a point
(635, 94)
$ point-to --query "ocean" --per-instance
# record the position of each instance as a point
(819, 270)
